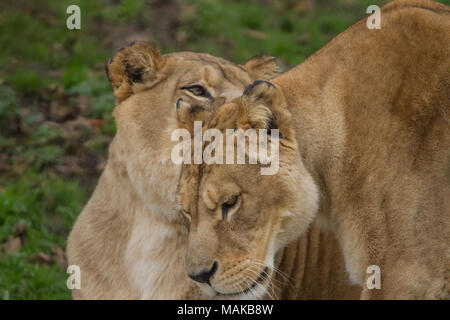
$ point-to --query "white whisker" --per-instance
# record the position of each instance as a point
(266, 279)
(277, 271)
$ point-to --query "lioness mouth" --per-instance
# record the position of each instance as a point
(248, 289)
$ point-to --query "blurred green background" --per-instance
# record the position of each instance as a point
(56, 102)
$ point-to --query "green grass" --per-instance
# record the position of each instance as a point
(285, 33)
(41, 61)
(47, 206)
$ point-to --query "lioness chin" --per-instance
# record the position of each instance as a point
(367, 150)
(130, 240)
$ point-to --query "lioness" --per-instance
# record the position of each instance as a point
(367, 150)
(130, 241)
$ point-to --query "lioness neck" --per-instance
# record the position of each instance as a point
(118, 234)
(318, 121)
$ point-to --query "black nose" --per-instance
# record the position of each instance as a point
(205, 275)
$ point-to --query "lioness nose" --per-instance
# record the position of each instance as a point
(205, 275)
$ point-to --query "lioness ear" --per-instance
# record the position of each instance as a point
(262, 67)
(263, 106)
(132, 67)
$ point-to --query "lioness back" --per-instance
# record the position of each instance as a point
(378, 101)
(381, 107)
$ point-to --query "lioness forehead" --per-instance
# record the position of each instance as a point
(204, 57)
(220, 69)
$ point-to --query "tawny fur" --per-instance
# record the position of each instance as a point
(130, 240)
(374, 130)
(370, 121)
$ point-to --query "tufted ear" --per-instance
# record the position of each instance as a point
(132, 67)
(263, 106)
(262, 67)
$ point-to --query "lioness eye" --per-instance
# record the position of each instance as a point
(198, 91)
(226, 206)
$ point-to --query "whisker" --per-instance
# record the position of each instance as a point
(265, 277)
(251, 289)
(281, 273)
(277, 271)
(272, 278)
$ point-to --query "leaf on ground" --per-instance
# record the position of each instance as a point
(40, 258)
(303, 6)
(59, 257)
(58, 91)
(83, 103)
(19, 229)
(57, 130)
(101, 164)
(13, 244)
(60, 111)
(69, 166)
(4, 162)
(256, 34)
(78, 128)
(97, 123)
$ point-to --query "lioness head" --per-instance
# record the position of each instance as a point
(238, 218)
(147, 86)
